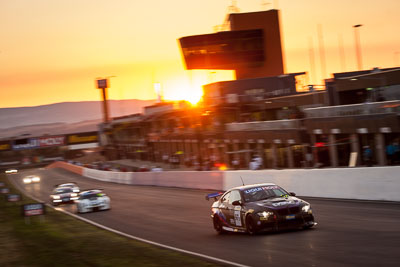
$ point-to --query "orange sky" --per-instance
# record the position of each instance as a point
(52, 51)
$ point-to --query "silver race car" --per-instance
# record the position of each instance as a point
(92, 200)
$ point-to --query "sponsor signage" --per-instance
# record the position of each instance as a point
(91, 137)
(33, 209)
(4, 190)
(31, 143)
(27, 143)
(51, 141)
(13, 198)
(5, 145)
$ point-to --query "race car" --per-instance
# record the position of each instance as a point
(31, 179)
(11, 171)
(92, 200)
(259, 208)
(62, 195)
(72, 185)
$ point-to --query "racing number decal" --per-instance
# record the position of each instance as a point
(237, 216)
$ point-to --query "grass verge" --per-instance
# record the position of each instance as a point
(61, 240)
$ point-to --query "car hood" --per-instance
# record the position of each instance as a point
(278, 202)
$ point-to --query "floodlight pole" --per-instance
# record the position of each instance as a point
(103, 85)
(358, 46)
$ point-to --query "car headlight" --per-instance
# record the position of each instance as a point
(74, 194)
(264, 215)
(36, 179)
(27, 180)
(55, 197)
(76, 190)
(307, 208)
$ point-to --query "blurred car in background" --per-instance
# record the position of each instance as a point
(92, 200)
(72, 185)
(11, 171)
(61, 195)
(31, 179)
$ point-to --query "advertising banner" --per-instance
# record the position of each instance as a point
(89, 137)
(13, 198)
(33, 209)
(26, 143)
(51, 141)
(4, 190)
(5, 145)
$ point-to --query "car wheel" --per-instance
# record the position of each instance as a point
(308, 226)
(251, 227)
(218, 225)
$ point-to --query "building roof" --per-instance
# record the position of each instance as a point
(384, 77)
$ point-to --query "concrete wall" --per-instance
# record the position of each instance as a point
(196, 180)
(66, 166)
(373, 183)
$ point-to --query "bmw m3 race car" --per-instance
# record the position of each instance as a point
(62, 195)
(258, 208)
(92, 200)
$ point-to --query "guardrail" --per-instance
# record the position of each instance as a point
(264, 125)
(353, 110)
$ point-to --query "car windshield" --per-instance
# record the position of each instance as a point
(62, 190)
(263, 192)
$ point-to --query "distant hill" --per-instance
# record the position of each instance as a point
(66, 117)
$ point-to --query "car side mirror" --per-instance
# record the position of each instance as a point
(236, 203)
(292, 194)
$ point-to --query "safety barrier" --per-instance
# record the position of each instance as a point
(196, 180)
(373, 183)
(369, 183)
(69, 167)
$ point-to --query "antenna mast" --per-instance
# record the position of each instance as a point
(242, 180)
(225, 26)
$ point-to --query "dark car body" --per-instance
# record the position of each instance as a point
(61, 195)
(259, 208)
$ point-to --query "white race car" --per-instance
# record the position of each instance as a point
(92, 200)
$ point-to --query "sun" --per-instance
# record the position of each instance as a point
(183, 90)
(189, 87)
(187, 93)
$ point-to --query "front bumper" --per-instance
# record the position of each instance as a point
(278, 223)
(64, 200)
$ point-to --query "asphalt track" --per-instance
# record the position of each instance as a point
(349, 233)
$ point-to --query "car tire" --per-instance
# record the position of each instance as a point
(218, 225)
(251, 227)
(305, 227)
